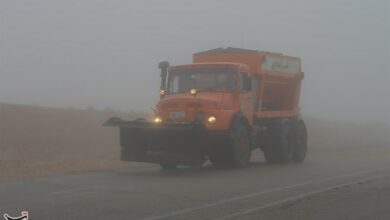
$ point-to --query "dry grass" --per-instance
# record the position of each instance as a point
(39, 141)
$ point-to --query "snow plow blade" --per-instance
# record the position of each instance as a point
(175, 143)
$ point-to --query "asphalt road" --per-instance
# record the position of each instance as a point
(145, 191)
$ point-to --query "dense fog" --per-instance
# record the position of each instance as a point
(105, 53)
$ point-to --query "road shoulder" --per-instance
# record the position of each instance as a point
(369, 200)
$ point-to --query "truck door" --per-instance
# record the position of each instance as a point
(245, 96)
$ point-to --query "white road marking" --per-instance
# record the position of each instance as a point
(297, 197)
(251, 195)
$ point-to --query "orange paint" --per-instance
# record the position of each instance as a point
(277, 89)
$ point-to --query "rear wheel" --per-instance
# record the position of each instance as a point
(300, 142)
(280, 142)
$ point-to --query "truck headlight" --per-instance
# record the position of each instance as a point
(211, 119)
(157, 120)
(193, 91)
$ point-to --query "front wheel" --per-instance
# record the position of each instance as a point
(240, 148)
(236, 152)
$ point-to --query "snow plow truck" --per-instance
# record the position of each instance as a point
(221, 107)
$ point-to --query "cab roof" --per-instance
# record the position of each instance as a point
(211, 64)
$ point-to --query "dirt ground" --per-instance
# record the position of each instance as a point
(40, 141)
(369, 200)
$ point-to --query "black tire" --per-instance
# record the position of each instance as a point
(300, 142)
(241, 147)
(168, 166)
(238, 151)
(280, 142)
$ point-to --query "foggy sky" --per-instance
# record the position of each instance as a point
(105, 53)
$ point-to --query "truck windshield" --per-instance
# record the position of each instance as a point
(202, 79)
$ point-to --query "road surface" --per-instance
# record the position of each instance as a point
(144, 191)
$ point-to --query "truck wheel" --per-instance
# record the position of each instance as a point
(280, 142)
(300, 142)
(168, 166)
(237, 152)
(240, 148)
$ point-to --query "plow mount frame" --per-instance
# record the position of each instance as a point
(173, 143)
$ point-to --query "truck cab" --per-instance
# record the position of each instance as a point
(206, 93)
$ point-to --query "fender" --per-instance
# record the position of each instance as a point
(237, 118)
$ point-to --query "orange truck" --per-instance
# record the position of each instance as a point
(220, 108)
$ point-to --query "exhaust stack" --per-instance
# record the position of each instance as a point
(164, 72)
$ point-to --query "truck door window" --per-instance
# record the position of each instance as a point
(245, 82)
(174, 84)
